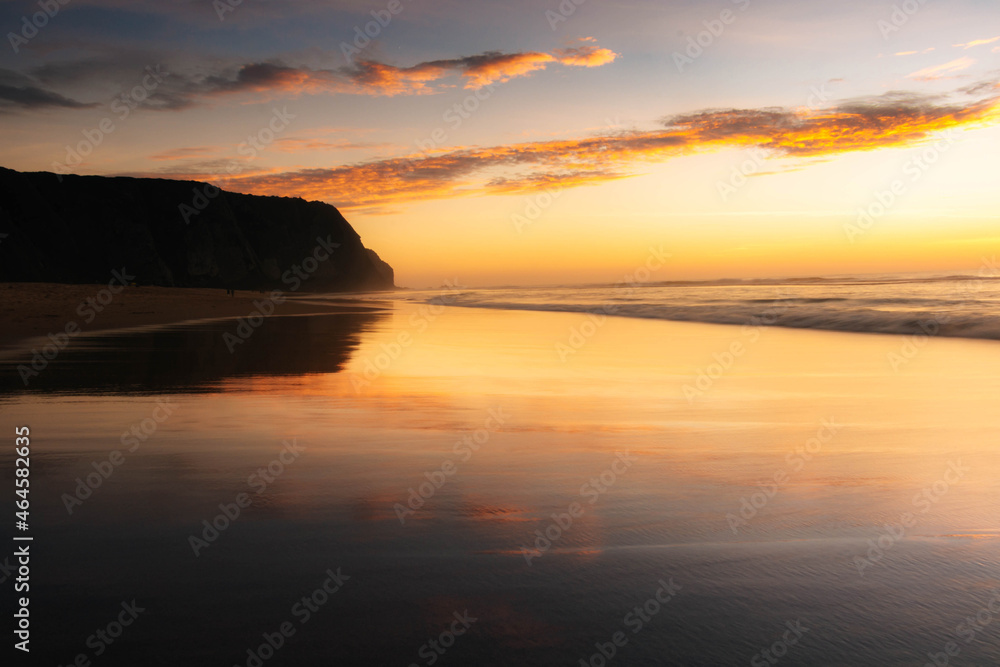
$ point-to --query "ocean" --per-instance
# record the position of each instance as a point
(965, 306)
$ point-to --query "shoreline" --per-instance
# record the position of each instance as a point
(932, 330)
(35, 310)
(32, 311)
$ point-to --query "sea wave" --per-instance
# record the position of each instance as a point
(956, 306)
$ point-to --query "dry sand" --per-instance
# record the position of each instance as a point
(28, 310)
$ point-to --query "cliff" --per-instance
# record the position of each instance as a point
(176, 233)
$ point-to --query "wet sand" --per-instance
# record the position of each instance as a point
(809, 481)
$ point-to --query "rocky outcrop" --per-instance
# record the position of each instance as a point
(381, 266)
(77, 229)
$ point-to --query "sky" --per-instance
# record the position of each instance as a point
(482, 142)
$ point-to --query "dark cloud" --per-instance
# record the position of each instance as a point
(58, 84)
(187, 87)
(28, 97)
(369, 77)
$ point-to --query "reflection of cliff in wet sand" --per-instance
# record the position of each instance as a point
(193, 357)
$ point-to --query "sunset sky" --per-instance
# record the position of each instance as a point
(537, 142)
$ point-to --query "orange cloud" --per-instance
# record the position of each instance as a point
(368, 77)
(889, 121)
(380, 79)
(941, 71)
(977, 42)
(498, 68)
(586, 56)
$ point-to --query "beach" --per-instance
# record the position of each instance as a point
(496, 334)
(411, 483)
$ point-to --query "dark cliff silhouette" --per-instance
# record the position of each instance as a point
(77, 229)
